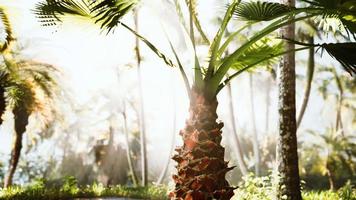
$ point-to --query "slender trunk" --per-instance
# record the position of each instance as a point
(2, 103)
(142, 110)
(165, 168)
(235, 140)
(255, 137)
(201, 166)
(128, 152)
(331, 176)
(289, 184)
(310, 73)
(21, 120)
(338, 123)
(268, 102)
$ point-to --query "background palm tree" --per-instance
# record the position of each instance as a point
(29, 87)
(201, 166)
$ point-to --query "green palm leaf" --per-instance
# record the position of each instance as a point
(344, 10)
(108, 12)
(8, 30)
(259, 51)
(344, 53)
(260, 11)
(50, 11)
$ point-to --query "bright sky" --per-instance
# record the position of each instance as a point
(90, 62)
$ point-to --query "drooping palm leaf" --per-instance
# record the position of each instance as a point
(344, 10)
(109, 12)
(344, 53)
(50, 11)
(8, 30)
(260, 11)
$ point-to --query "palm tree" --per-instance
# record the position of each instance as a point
(3, 48)
(340, 151)
(287, 141)
(201, 165)
(29, 87)
(142, 120)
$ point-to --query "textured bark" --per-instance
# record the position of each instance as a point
(236, 140)
(21, 120)
(289, 184)
(310, 73)
(144, 172)
(201, 166)
(256, 148)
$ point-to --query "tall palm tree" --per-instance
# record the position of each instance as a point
(25, 86)
(144, 170)
(201, 165)
(29, 88)
(9, 38)
(287, 140)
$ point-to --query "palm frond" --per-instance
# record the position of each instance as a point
(108, 12)
(344, 53)
(165, 58)
(192, 5)
(8, 30)
(260, 11)
(259, 51)
(50, 11)
(343, 10)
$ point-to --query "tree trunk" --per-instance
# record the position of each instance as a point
(330, 174)
(21, 120)
(338, 123)
(201, 166)
(2, 103)
(256, 148)
(236, 140)
(289, 184)
(142, 111)
(310, 73)
(128, 152)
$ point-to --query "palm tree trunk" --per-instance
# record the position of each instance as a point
(235, 140)
(331, 176)
(2, 103)
(255, 137)
(289, 184)
(201, 166)
(21, 120)
(128, 152)
(310, 73)
(338, 123)
(142, 110)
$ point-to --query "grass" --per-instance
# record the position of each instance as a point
(70, 190)
(251, 189)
